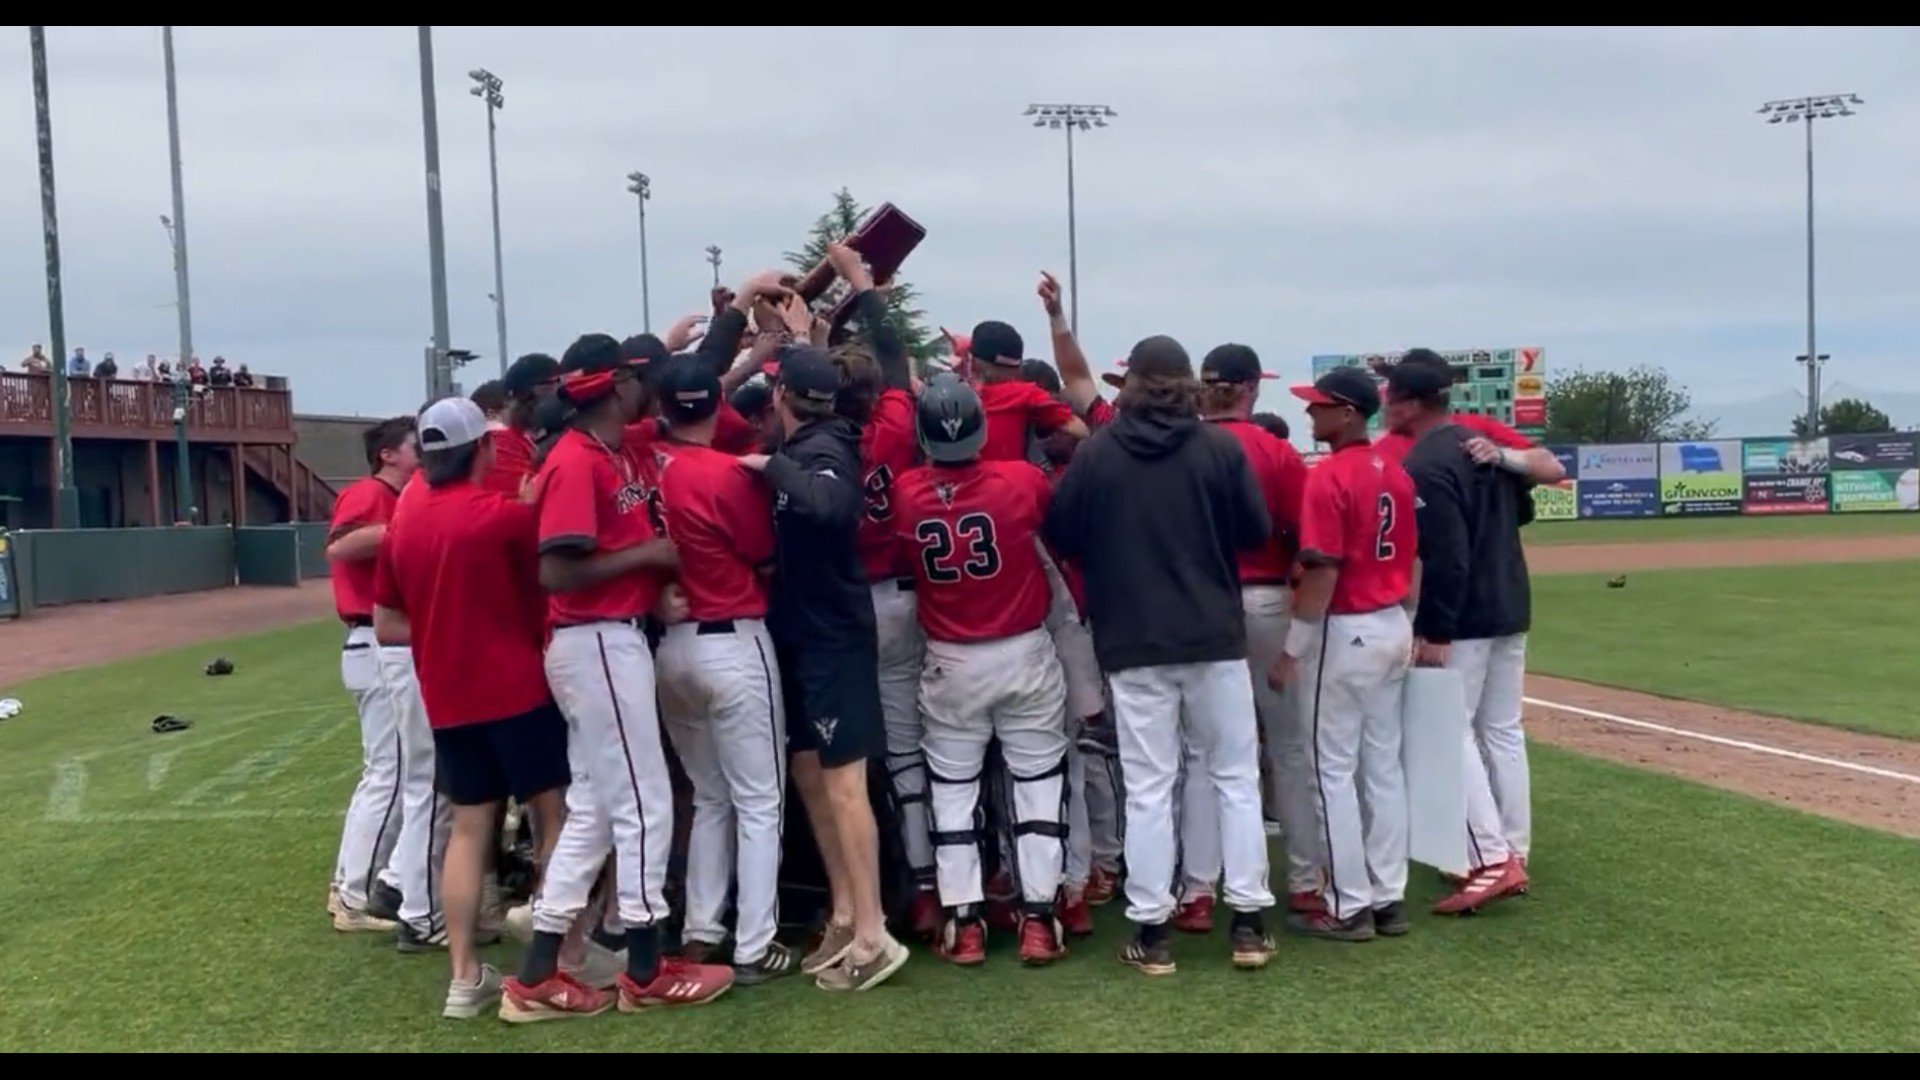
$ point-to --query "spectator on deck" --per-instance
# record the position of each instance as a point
(196, 374)
(220, 374)
(107, 368)
(78, 367)
(35, 362)
(243, 378)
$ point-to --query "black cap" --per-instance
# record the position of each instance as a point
(590, 353)
(529, 373)
(643, 349)
(1420, 375)
(689, 388)
(1041, 374)
(752, 399)
(995, 342)
(1159, 357)
(808, 371)
(1232, 364)
(1350, 386)
(551, 414)
(491, 396)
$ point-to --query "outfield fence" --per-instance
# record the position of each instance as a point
(1839, 474)
(48, 567)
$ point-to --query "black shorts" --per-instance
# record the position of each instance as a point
(832, 698)
(521, 756)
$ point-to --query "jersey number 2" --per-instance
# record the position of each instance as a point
(973, 534)
(1383, 548)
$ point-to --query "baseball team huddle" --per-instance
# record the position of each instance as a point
(766, 557)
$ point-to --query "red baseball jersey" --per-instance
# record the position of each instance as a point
(720, 516)
(459, 562)
(593, 497)
(1014, 407)
(972, 533)
(512, 470)
(888, 449)
(732, 433)
(1395, 444)
(1358, 515)
(1101, 412)
(367, 501)
(1282, 477)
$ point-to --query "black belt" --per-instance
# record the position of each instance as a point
(904, 584)
(1250, 583)
(638, 622)
(358, 622)
(708, 627)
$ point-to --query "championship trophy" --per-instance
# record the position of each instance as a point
(883, 240)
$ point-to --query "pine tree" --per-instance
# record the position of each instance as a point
(922, 341)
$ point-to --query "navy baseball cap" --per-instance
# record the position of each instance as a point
(1232, 364)
(529, 373)
(752, 399)
(1349, 386)
(1159, 357)
(1420, 374)
(995, 342)
(688, 387)
(809, 372)
(590, 353)
(643, 349)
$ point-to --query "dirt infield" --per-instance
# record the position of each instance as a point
(1681, 554)
(56, 639)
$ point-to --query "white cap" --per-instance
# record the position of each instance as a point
(451, 423)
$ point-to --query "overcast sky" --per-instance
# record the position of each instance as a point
(1608, 194)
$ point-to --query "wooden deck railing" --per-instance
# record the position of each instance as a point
(129, 409)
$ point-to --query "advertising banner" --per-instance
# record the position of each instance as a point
(1700, 477)
(1782, 494)
(1569, 459)
(1556, 502)
(1894, 450)
(1783, 457)
(1862, 490)
(1628, 461)
(1618, 498)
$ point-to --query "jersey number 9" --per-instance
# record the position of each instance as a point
(972, 537)
(878, 487)
(1383, 548)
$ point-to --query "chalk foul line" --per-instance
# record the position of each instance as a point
(1721, 740)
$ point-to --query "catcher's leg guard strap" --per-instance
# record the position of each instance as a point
(1040, 832)
(957, 822)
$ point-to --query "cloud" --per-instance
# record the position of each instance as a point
(1607, 193)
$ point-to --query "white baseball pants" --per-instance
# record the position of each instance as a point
(601, 675)
(720, 699)
(1503, 738)
(969, 694)
(1148, 705)
(1199, 810)
(1350, 688)
(426, 817)
(372, 827)
(1289, 746)
(1106, 809)
(902, 645)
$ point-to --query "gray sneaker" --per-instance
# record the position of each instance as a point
(853, 976)
(833, 946)
(465, 1001)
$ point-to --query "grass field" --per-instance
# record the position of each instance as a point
(164, 894)
(1831, 643)
(1644, 530)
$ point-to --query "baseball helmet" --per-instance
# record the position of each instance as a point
(219, 665)
(950, 421)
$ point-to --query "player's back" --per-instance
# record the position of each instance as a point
(720, 516)
(972, 534)
(1366, 500)
(1014, 407)
(887, 452)
(1282, 477)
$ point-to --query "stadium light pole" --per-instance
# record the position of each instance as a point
(713, 260)
(1068, 118)
(439, 359)
(176, 226)
(1804, 111)
(641, 188)
(66, 501)
(487, 87)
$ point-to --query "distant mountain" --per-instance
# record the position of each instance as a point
(1774, 413)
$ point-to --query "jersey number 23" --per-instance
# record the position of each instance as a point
(969, 548)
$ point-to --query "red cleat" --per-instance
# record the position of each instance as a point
(1306, 902)
(1195, 916)
(925, 914)
(1040, 941)
(557, 997)
(1075, 918)
(1484, 886)
(675, 982)
(963, 943)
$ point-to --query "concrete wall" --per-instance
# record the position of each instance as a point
(331, 446)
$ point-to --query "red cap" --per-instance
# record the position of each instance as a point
(1118, 378)
(581, 387)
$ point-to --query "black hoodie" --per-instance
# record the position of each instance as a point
(821, 598)
(1155, 509)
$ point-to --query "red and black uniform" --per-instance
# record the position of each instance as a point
(888, 450)
(366, 502)
(720, 517)
(1282, 476)
(1015, 407)
(970, 532)
(1358, 514)
(593, 497)
(513, 462)
(460, 564)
